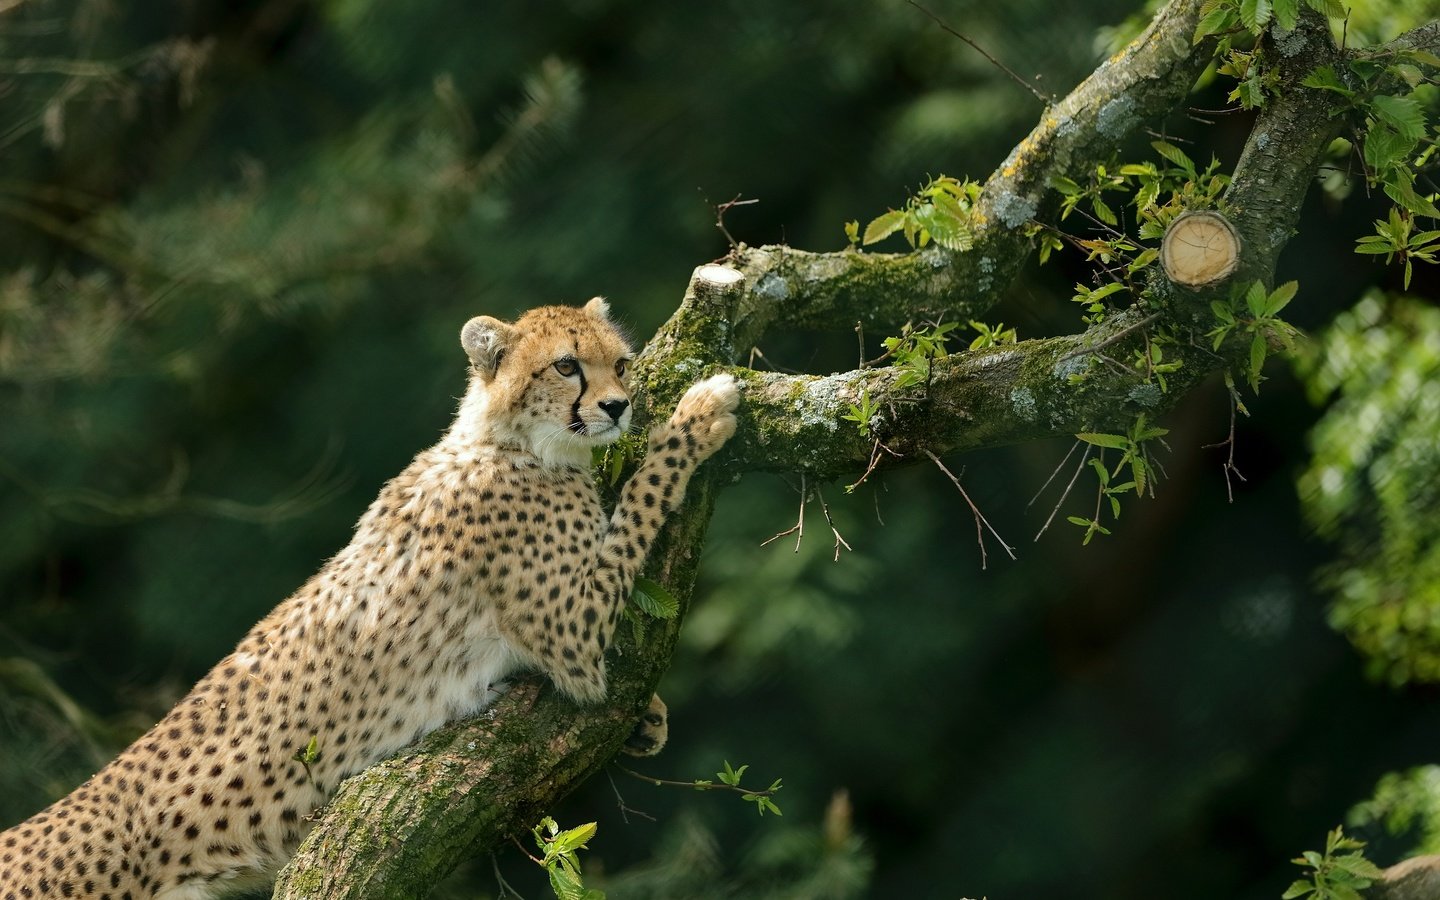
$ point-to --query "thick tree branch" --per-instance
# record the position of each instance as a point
(794, 289)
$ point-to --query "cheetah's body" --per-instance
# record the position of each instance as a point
(488, 554)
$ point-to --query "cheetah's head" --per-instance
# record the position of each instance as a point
(553, 382)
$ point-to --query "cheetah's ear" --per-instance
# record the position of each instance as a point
(485, 340)
(598, 308)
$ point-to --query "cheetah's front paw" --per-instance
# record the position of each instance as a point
(651, 731)
(705, 416)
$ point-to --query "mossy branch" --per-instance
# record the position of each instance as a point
(793, 289)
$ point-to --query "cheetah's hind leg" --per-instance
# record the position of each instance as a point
(651, 731)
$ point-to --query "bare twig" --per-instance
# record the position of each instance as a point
(975, 510)
(521, 847)
(625, 808)
(1229, 465)
(981, 50)
(1053, 473)
(798, 529)
(720, 212)
(505, 889)
(839, 541)
(1080, 467)
(1112, 339)
(870, 467)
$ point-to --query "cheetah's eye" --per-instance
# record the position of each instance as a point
(567, 366)
(620, 367)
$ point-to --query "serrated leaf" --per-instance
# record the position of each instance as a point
(1384, 148)
(1324, 78)
(573, 839)
(1280, 297)
(1174, 154)
(1298, 889)
(1113, 441)
(1258, 349)
(1255, 15)
(1404, 114)
(1064, 185)
(882, 226)
(654, 599)
(1286, 13)
(1358, 865)
(1255, 299)
(1103, 212)
(1332, 9)
(1218, 19)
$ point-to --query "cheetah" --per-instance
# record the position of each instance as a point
(489, 554)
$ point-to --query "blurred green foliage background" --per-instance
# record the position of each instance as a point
(237, 241)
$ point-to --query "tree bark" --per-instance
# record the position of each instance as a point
(395, 830)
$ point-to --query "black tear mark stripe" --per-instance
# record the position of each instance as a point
(577, 424)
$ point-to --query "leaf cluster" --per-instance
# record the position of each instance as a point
(730, 777)
(561, 861)
(1134, 456)
(1340, 873)
(1226, 20)
(914, 349)
(1258, 317)
(939, 211)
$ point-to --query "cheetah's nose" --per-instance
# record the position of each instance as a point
(615, 407)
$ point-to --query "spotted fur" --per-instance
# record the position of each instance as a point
(490, 553)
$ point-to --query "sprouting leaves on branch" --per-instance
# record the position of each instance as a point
(940, 212)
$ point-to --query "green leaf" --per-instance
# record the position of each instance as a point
(852, 232)
(1174, 154)
(654, 599)
(1064, 185)
(883, 226)
(1113, 441)
(1324, 78)
(1332, 9)
(1280, 297)
(1255, 14)
(1404, 114)
(1255, 299)
(1298, 889)
(1358, 865)
(1286, 13)
(1216, 20)
(1385, 148)
(1258, 350)
(573, 839)
(1103, 212)
(1078, 520)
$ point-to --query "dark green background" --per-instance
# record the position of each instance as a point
(243, 280)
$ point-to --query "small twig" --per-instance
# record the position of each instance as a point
(798, 529)
(981, 50)
(860, 336)
(1053, 473)
(1229, 465)
(1112, 339)
(505, 889)
(720, 212)
(757, 353)
(521, 847)
(710, 786)
(874, 461)
(1080, 467)
(625, 807)
(975, 510)
(839, 541)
